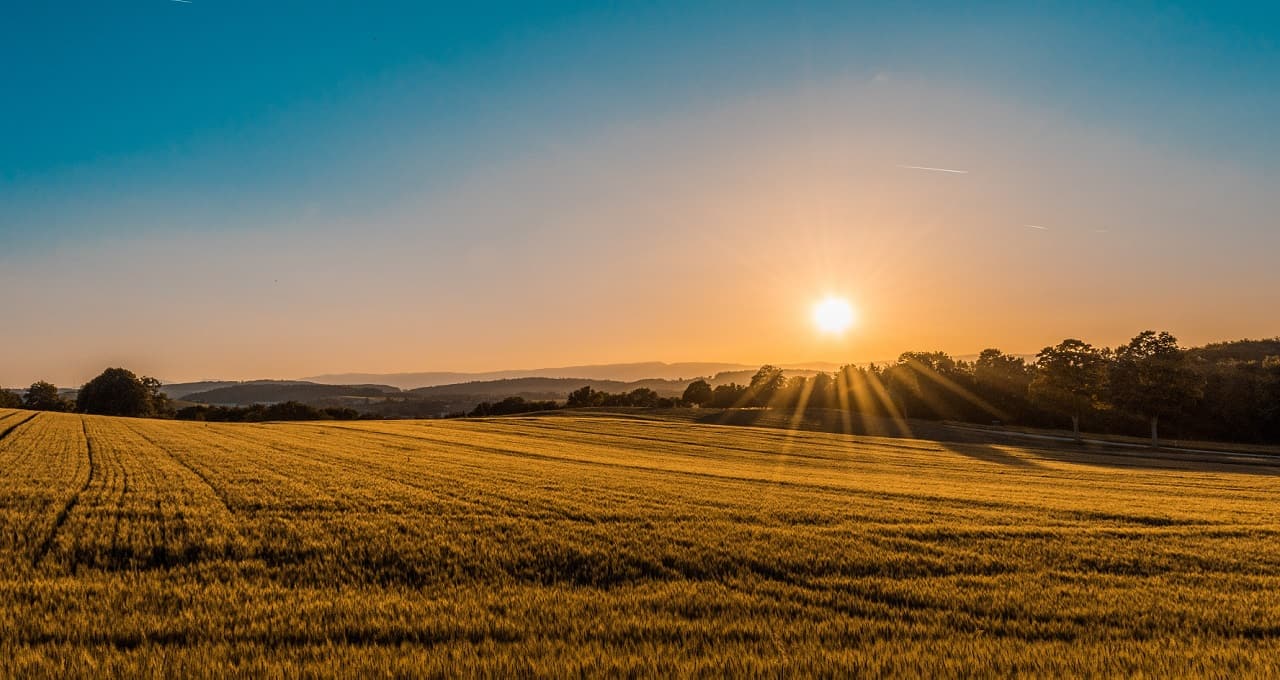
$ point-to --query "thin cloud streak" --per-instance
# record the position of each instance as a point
(930, 169)
(1036, 226)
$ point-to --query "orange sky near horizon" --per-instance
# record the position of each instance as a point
(702, 235)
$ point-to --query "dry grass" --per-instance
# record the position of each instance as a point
(566, 546)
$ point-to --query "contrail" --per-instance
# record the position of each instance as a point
(185, 2)
(925, 167)
(1036, 226)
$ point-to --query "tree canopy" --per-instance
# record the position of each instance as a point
(9, 399)
(118, 392)
(698, 392)
(43, 396)
(1069, 377)
(1151, 376)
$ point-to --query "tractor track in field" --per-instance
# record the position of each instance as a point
(217, 493)
(314, 457)
(65, 512)
(119, 511)
(392, 475)
(9, 430)
(421, 437)
(150, 473)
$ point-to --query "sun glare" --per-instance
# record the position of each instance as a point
(833, 315)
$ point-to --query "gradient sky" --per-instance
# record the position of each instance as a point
(225, 189)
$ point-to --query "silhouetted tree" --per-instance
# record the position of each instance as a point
(511, 405)
(582, 397)
(937, 362)
(902, 386)
(643, 397)
(1069, 377)
(1269, 406)
(116, 392)
(862, 390)
(765, 384)
(196, 412)
(160, 404)
(1003, 380)
(43, 396)
(731, 395)
(822, 391)
(1151, 377)
(292, 410)
(1235, 401)
(697, 393)
(9, 399)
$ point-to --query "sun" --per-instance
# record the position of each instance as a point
(833, 315)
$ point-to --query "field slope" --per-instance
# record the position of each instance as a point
(601, 545)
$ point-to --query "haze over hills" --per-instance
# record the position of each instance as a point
(266, 391)
(436, 399)
(597, 375)
(631, 372)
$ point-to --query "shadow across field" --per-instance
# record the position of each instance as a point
(989, 445)
(1158, 459)
(986, 444)
(988, 453)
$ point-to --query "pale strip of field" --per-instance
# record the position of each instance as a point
(558, 546)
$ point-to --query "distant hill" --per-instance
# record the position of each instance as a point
(542, 388)
(625, 373)
(181, 390)
(618, 372)
(1238, 350)
(269, 391)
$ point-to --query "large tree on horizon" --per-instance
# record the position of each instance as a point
(1151, 377)
(765, 384)
(116, 392)
(43, 396)
(1003, 380)
(698, 392)
(1069, 376)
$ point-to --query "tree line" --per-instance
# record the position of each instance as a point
(120, 392)
(1228, 391)
(256, 413)
(1137, 388)
(115, 392)
(1130, 389)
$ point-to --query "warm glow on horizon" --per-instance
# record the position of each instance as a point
(833, 315)
(797, 190)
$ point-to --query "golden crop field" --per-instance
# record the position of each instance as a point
(566, 546)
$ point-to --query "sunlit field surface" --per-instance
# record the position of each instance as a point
(564, 545)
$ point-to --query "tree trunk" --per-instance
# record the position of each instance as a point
(1075, 427)
(1155, 436)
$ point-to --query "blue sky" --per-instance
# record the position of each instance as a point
(121, 108)
(125, 122)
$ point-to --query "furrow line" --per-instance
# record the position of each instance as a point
(9, 430)
(217, 493)
(693, 474)
(70, 505)
(364, 467)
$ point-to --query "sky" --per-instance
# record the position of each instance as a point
(235, 190)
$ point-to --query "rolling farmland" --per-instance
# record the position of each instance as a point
(564, 545)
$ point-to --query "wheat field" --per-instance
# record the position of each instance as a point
(567, 546)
